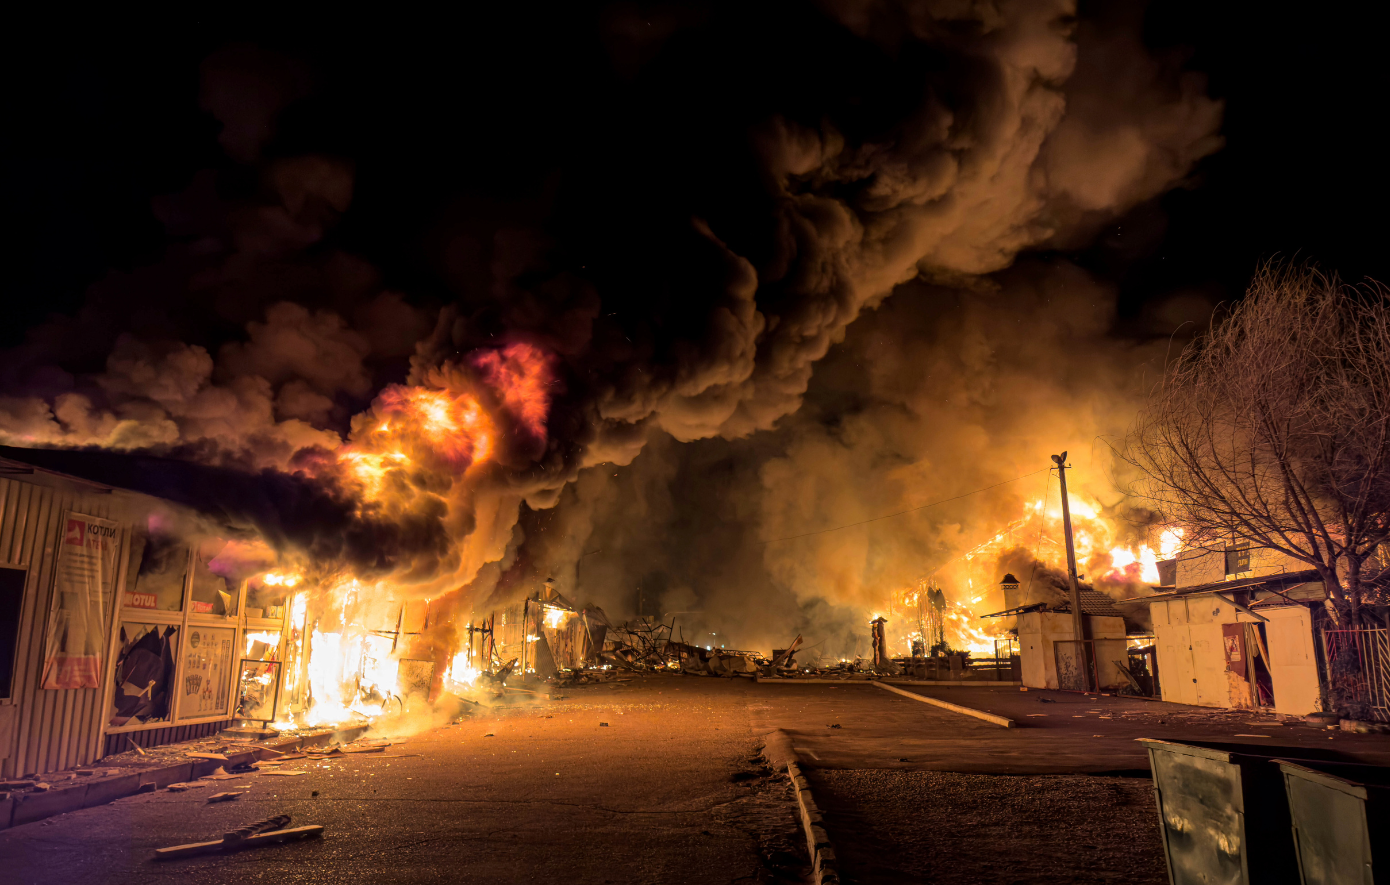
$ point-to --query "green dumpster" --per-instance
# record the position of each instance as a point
(1222, 811)
(1341, 821)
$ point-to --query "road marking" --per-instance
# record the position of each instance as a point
(954, 708)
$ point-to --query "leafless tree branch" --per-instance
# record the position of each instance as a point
(1273, 428)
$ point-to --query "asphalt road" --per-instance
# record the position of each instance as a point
(671, 791)
(665, 792)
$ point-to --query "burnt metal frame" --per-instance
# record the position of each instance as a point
(275, 705)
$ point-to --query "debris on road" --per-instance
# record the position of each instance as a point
(263, 832)
(179, 788)
(227, 796)
(282, 772)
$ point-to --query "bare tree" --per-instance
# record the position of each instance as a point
(1273, 428)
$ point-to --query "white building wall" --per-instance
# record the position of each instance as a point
(1039, 631)
(1192, 663)
(1293, 663)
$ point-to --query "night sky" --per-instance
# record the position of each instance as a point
(101, 123)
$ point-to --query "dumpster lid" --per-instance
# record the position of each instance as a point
(1186, 749)
(1228, 752)
(1350, 778)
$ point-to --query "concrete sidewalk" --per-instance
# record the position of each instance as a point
(125, 774)
(1057, 733)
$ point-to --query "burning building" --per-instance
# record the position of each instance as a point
(131, 618)
(943, 612)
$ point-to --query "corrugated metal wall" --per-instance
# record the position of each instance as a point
(46, 730)
(155, 737)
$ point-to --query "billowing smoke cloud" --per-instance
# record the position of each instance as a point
(937, 393)
(679, 259)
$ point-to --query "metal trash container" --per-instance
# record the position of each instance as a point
(1341, 821)
(1223, 813)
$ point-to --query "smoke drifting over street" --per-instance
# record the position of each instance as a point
(490, 318)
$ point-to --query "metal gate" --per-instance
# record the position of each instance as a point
(1076, 664)
(1358, 671)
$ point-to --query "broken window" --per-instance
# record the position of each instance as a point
(144, 673)
(161, 564)
(215, 590)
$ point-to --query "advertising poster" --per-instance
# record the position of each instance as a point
(207, 672)
(83, 579)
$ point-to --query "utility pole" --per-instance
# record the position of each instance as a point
(1078, 621)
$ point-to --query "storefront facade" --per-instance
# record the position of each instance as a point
(116, 628)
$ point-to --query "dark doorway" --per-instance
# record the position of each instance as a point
(11, 602)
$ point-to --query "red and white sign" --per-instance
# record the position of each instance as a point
(140, 600)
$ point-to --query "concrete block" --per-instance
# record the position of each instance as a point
(110, 789)
(37, 806)
(163, 777)
(206, 766)
(236, 760)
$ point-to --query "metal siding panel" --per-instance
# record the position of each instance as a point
(30, 506)
(7, 493)
(9, 535)
(32, 755)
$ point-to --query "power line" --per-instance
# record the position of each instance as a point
(910, 510)
(1037, 548)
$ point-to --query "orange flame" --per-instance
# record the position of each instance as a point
(520, 373)
(446, 426)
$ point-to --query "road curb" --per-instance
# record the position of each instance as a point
(1002, 721)
(778, 750)
(953, 683)
(25, 808)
